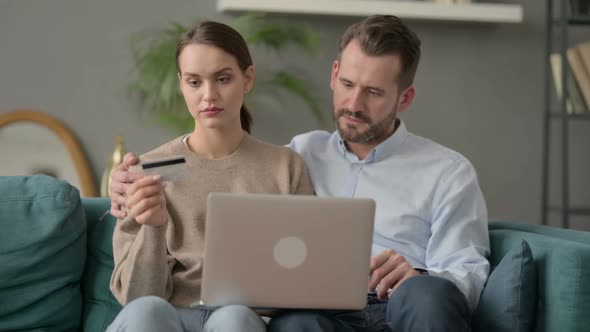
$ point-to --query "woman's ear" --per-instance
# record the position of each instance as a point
(180, 83)
(250, 74)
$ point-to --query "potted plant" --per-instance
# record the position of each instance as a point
(156, 83)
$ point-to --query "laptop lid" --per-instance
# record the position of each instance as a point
(287, 251)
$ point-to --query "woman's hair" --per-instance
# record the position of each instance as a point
(226, 38)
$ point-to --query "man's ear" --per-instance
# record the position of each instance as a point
(250, 74)
(334, 74)
(406, 98)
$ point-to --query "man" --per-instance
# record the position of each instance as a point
(428, 266)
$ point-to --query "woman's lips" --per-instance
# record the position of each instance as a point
(212, 111)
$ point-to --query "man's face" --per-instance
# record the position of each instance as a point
(366, 95)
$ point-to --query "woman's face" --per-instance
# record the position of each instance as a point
(213, 85)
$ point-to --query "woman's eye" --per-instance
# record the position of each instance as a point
(223, 79)
(194, 83)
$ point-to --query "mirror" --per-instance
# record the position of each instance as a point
(33, 142)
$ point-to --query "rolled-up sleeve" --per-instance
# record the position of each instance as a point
(459, 242)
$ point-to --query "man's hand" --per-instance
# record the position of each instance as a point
(388, 270)
(121, 180)
(146, 201)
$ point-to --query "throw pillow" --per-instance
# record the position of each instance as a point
(508, 300)
(42, 254)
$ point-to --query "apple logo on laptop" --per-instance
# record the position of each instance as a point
(290, 252)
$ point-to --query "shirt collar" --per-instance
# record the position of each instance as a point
(381, 152)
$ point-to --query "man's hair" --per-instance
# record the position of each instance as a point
(383, 35)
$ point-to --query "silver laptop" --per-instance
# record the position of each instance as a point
(287, 251)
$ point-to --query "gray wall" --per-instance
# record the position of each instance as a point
(480, 87)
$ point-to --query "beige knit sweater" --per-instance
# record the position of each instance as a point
(166, 261)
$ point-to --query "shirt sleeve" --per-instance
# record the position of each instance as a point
(459, 242)
(142, 263)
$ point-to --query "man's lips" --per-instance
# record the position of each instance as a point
(353, 119)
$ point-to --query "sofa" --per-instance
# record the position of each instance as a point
(56, 261)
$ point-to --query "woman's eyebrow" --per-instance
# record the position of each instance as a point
(220, 71)
(225, 69)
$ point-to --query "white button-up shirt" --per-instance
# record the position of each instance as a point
(429, 206)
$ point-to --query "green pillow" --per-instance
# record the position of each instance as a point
(508, 300)
(42, 254)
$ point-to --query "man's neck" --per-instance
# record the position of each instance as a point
(211, 143)
(362, 150)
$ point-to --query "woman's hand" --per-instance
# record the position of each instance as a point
(146, 201)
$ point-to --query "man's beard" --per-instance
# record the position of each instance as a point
(375, 131)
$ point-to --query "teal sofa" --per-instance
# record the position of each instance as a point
(56, 261)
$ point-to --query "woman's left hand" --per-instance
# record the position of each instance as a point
(146, 201)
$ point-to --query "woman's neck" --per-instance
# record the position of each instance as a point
(215, 143)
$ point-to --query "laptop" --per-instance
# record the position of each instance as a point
(287, 251)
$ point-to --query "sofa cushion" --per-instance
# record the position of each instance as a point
(508, 300)
(563, 290)
(100, 306)
(42, 254)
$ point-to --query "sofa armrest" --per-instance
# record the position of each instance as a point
(563, 281)
(100, 307)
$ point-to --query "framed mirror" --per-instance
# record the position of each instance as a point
(33, 142)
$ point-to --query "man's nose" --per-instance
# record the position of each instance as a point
(356, 103)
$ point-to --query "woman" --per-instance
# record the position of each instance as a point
(158, 247)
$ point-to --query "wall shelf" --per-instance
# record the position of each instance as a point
(559, 20)
(419, 10)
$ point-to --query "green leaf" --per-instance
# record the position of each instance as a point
(258, 30)
(298, 87)
(181, 123)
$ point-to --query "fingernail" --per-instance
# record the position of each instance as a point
(157, 177)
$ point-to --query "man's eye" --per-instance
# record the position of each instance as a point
(375, 92)
(347, 84)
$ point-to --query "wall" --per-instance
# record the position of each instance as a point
(479, 87)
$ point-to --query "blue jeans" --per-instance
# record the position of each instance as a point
(421, 303)
(151, 313)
